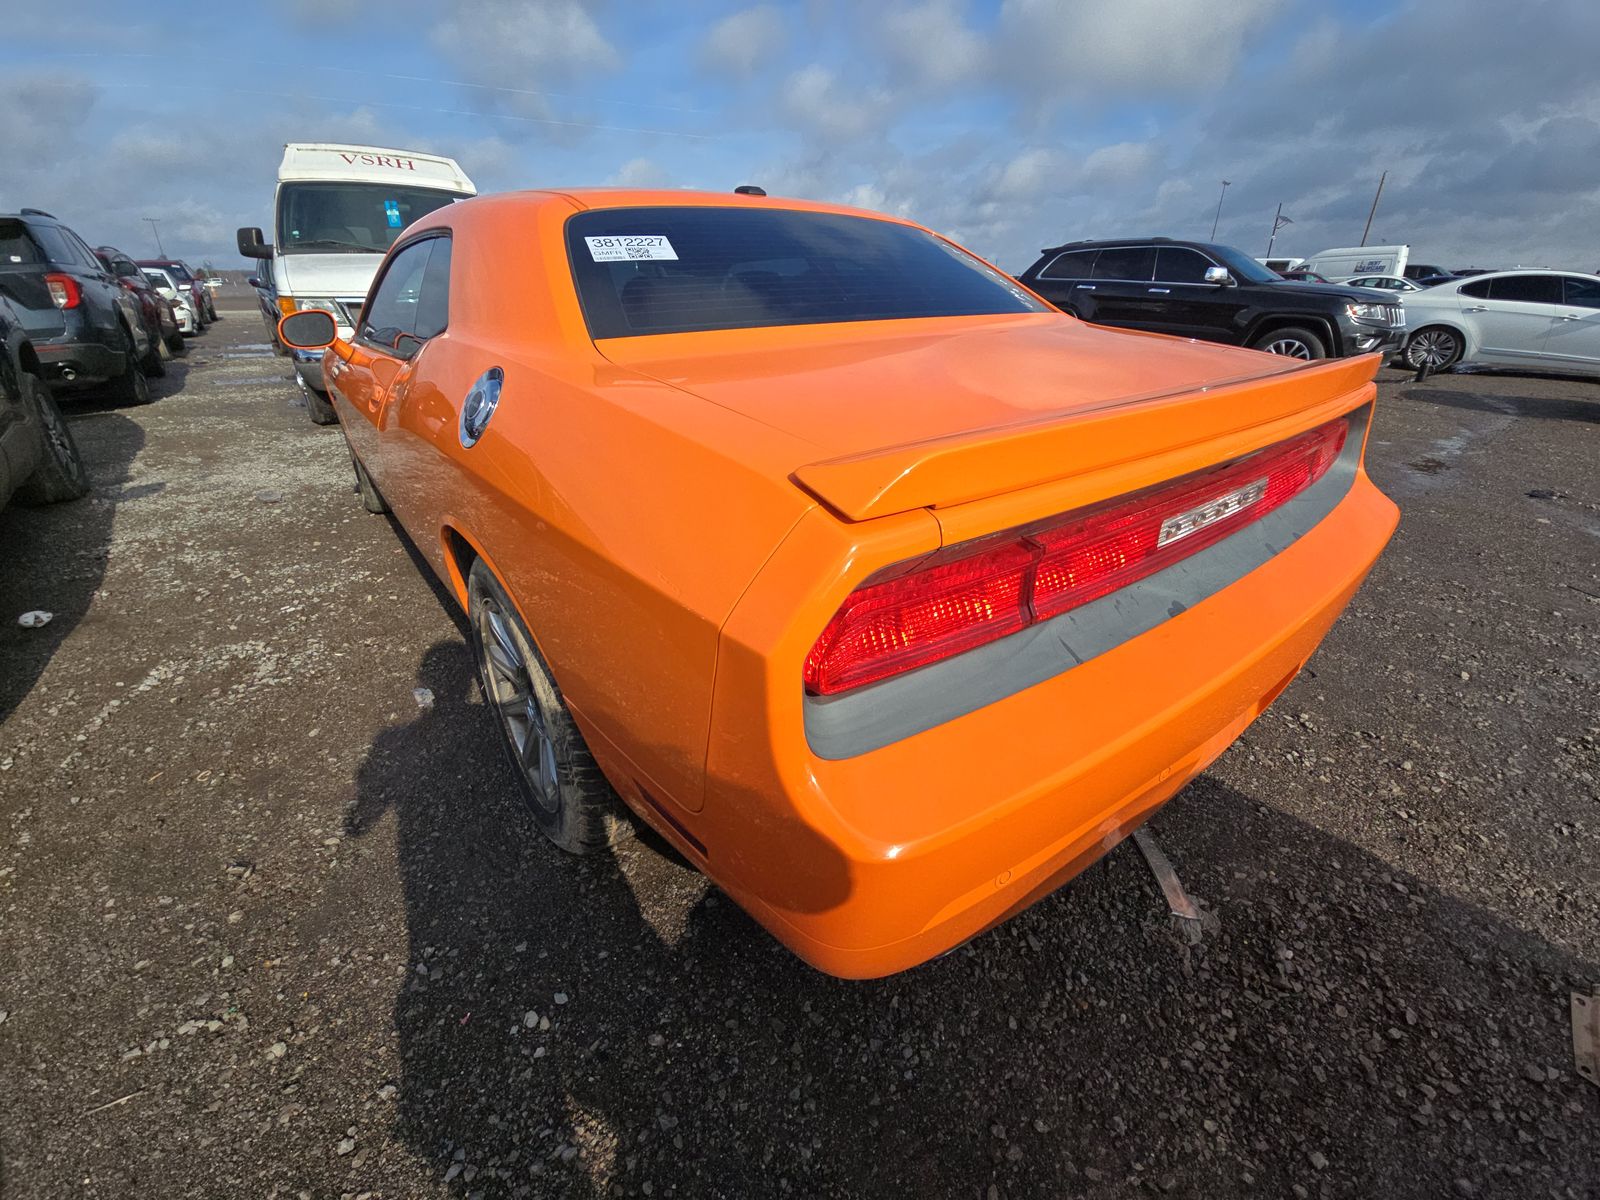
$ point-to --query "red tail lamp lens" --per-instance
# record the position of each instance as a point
(974, 594)
(64, 290)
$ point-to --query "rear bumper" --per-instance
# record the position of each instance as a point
(873, 863)
(66, 362)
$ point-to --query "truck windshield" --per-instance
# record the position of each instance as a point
(350, 218)
(674, 270)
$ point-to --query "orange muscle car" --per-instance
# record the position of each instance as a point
(889, 595)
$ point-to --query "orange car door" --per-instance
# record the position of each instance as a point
(385, 343)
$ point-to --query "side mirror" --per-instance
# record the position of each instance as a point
(310, 329)
(1220, 276)
(253, 282)
(250, 243)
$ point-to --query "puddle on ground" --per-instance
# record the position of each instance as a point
(249, 354)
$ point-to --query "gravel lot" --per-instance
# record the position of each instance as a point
(272, 926)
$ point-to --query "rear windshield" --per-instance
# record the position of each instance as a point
(16, 247)
(676, 270)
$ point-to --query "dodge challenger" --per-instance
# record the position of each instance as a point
(888, 594)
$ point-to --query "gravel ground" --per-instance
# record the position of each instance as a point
(271, 925)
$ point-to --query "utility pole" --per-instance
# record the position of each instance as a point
(1374, 211)
(1278, 222)
(155, 228)
(1218, 217)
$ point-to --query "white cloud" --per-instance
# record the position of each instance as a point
(929, 44)
(522, 46)
(1134, 46)
(814, 98)
(746, 41)
(639, 173)
(1120, 163)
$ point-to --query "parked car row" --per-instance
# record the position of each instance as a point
(95, 316)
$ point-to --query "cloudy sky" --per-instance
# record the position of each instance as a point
(1008, 124)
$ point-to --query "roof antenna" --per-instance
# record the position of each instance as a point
(749, 189)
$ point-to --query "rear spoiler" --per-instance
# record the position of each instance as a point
(951, 470)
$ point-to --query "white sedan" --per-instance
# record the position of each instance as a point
(1547, 320)
(1385, 283)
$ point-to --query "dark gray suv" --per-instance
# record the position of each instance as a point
(85, 327)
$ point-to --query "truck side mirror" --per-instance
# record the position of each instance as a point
(250, 243)
(1220, 276)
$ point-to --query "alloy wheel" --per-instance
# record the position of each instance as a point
(1289, 348)
(515, 696)
(1433, 348)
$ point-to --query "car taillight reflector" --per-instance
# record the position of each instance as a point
(975, 593)
(64, 290)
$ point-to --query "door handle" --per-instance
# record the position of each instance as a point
(1477, 308)
(1161, 291)
(1086, 287)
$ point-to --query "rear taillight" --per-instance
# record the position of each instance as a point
(968, 595)
(64, 290)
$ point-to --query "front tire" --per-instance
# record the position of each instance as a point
(176, 346)
(1435, 347)
(318, 406)
(371, 498)
(60, 474)
(570, 799)
(152, 363)
(1291, 342)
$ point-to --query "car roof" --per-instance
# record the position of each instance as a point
(591, 198)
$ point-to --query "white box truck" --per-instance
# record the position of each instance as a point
(1347, 262)
(336, 212)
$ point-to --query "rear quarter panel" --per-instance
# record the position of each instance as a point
(609, 504)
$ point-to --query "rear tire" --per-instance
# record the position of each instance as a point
(131, 387)
(1291, 341)
(570, 799)
(1436, 347)
(60, 474)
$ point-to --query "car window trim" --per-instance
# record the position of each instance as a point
(1041, 273)
(1181, 282)
(427, 235)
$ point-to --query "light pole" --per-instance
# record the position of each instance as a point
(155, 228)
(1278, 222)
(1374, 210)
(1218, 217)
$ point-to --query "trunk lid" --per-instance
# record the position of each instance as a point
(931, 413)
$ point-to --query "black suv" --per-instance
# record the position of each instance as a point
(1200, 290)
(85, 326)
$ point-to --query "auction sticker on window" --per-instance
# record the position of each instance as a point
(630, 247)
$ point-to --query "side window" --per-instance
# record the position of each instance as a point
(1581, 293)
(56, 247)
(1478, 290)
(1074, 264)
(1133, 263)
(389, 320)
(1528, 289)
(90, 258)
(433, 309)
(1179, 264)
